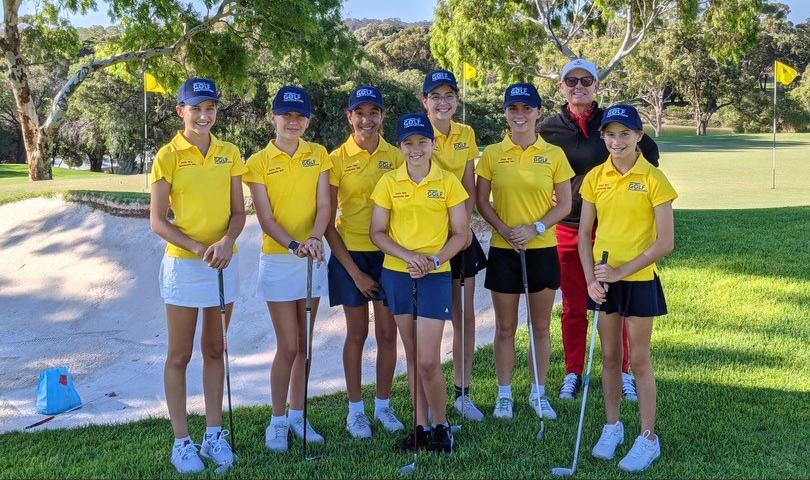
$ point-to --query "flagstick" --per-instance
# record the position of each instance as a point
(463, 109)
(145, 124)
(773, 168)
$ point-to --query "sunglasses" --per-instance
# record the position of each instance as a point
(572, 81)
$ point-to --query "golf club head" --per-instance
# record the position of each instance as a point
(407, 469)
(223, 468)
(540, 435)
(562, 472)
(455, 428)
(313, 457)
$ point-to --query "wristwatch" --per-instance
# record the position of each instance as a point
(293, 246)
(539, 227)
(436, 262)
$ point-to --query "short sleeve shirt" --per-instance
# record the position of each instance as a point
(455, 149)
(200, 193)
(420, 213)
(625, 209)
(292, 188)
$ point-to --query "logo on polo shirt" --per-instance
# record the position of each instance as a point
(637, 187)
(219, 160)
(617, 112)
(437, 194)
(365, 92)
(274, 170)
(603, 186)
(523, 91)
(202, 87)
(460, 145)
(186, 163)
(403, 194)
(383, 165)
(543, 160)
(506, 160)
(351, 168)
(440, 76)
(293, 97)
(309, 162)
(413, 122)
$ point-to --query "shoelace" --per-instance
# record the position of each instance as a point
(280, 430)
(503, 403)
(219, 442)
(187, 450)
(544, 404)
(388, 413)
(358, 420)
(628, 387)
(640, 445)
(611, 430)
(569, 384)
(467, 403)
(310, 430)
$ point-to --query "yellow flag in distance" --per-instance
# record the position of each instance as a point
(469, 71)
(150, 84)
(783, 74)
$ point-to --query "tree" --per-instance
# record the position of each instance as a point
(222, 43)
(526, 38)
(405, 49)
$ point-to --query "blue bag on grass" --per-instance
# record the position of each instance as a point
(56, 393)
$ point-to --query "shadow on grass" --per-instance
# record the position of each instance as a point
(13, 171)
(718, 143)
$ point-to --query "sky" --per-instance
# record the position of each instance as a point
(409, 11)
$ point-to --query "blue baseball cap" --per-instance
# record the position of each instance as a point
(627, 115)
(522, 92)
(414, 124)
(195, 90)
(292, 99)
(437, 78)
(367, 94)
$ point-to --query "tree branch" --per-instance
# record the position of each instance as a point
(544, 20)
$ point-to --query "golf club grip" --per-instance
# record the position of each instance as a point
(523, 269)
(221, 291)
(604, 256)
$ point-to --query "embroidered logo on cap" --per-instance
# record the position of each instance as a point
(440, 76)
(202, 87)
(617, 112)
(365, 92)
(293, 97)
(413, 122)
(520, 91)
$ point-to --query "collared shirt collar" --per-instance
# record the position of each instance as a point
(352, 148)
(507, 143)
(180, 142)
(454, 130)
(641, 167)
(435, 172)
(273, 151)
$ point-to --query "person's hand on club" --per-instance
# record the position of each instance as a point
(418, 265)
(218, 255)
(366, 285)
(313, 248)
(597, 291)
(522, 234)
(605, 273)
(505, 233)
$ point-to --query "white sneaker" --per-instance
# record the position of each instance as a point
(629, 387)
(642, 455)
(185, 458)
(297, 428)
(542, 407)
(467, 408)
(570, 386)
(217, 448)
(357, 424)
(503, 407)
(388, 418)
(612, 437)
(275, 436)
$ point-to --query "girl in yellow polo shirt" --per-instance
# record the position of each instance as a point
(455, 151)
(524, 174)
(289, 184)
(356, 264)
(633, 201)
(415, 206)
(200, 176)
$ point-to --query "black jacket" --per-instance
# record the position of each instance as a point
(584, 153)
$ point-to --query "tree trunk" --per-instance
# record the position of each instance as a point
(96, 159)
(701, 127)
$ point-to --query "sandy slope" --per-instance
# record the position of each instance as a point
(78, 287)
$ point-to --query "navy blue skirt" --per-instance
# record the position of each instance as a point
(434, 294)
(342, 290)
(643, 298)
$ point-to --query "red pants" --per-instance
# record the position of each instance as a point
(575, 307)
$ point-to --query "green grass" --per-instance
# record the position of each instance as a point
(731, 360)
(15, 186)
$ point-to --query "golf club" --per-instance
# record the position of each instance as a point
(541, 433)
(463, 340)
(308, 355)
(412, 466)
(48, 419)
(227, 369)
(562, 471)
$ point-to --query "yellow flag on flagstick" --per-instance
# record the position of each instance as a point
(783, 74)
(150, 84)
(469, 71)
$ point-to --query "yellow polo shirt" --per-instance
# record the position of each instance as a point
(201, 188)
(420, 217)
(454, 150)
(292, 186)
(355, 172)
(624, 207)
(523, 184)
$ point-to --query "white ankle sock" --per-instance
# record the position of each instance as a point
(295, 415)
(539, 390)
(379, 403)
(212, 431)
(505, 390)
(276, 420)
(178, 442)
(356, 407)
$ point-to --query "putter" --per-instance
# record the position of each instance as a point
(309, 354)
(541, 433)
(562, 471)
(412, 466)
(224, 468)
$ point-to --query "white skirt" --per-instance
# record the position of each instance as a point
(283, 278)
(190, 282)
